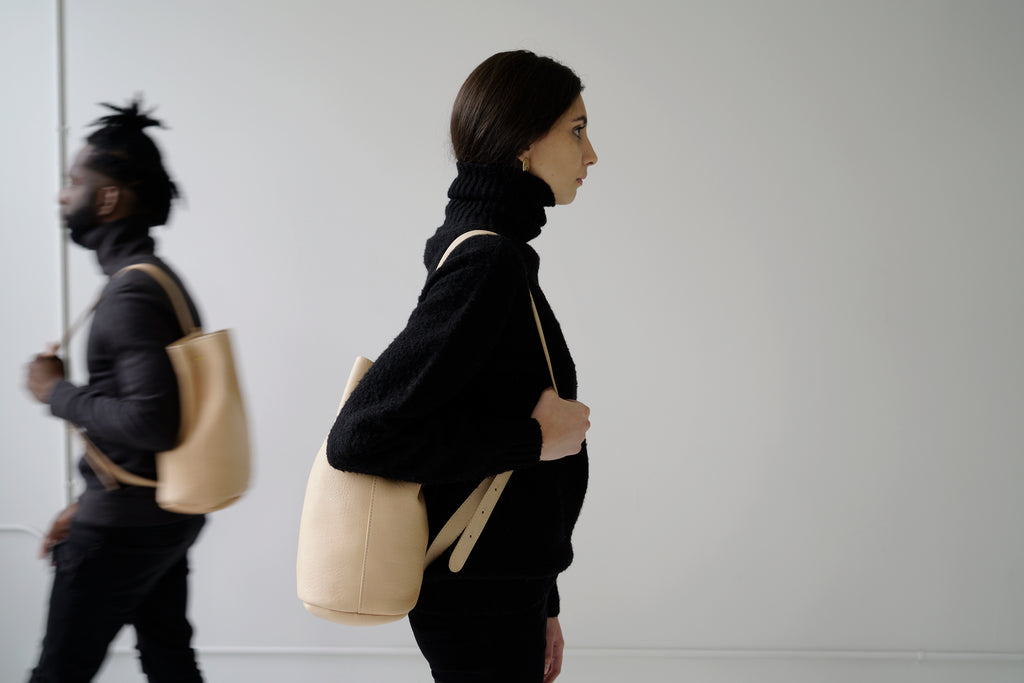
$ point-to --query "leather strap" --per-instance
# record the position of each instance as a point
(457, 523)
(109, 472)
(543, 343)
(468, 521)
(491, 490)
(459, 240)
(77, 324)
(181, 309)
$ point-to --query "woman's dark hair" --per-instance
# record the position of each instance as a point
(511, 100)
(123, 151)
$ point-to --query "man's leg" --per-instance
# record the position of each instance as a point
(164, 633)
(81, 623)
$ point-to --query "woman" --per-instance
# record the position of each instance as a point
(464, 391)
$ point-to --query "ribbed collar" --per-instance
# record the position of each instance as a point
(503, 199)
(118, 243)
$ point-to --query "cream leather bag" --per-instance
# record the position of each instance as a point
(209, 468)
(363, 538)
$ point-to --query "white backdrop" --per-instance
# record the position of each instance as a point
(791, 284)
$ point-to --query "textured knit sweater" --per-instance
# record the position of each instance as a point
(449, 401)
(130, 407)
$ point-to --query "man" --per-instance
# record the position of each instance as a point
(119, 558)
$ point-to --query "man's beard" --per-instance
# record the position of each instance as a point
(81, 222)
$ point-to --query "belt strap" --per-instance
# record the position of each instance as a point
(491, 489)
(109, 472)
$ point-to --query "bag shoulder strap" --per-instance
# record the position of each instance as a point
(468, 521)
(459, 240)
(543, 343)
(174, 293)
(181, 309)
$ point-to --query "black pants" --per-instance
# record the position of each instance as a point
(107, 577)
(484, 648)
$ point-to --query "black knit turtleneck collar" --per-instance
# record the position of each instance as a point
(501, 198)
(118, 243)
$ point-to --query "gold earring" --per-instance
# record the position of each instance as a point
(526, 164)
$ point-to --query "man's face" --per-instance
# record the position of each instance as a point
(78, 198)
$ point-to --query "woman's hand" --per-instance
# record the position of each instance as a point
(563, 425)
(553, 650)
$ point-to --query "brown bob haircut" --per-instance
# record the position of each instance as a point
(511, 100)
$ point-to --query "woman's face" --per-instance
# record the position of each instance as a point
(562, 156)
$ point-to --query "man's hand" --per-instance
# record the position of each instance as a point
(44, 371)
(553, 651)
(58, 530)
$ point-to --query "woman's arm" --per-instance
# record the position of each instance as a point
(410, 417)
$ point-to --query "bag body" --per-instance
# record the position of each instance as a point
(362, 540)
(209, 469)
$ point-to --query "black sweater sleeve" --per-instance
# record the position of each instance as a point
(411, 417)
(140, 410)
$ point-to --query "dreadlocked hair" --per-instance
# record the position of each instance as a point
(123, 151)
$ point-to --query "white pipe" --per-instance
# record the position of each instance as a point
(23, 529)
(627, 653)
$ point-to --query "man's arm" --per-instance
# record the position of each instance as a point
(135, 323)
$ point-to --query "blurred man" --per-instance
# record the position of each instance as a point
(120, 559)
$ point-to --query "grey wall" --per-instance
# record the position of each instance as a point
(791, 285)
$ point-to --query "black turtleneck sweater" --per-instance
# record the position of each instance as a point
(130, 406)
(449, 401)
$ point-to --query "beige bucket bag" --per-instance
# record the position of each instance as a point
(209, 469)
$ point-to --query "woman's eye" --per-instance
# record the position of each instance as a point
(577, 131)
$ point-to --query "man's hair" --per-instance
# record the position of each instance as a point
(123, 151)
(509, 102)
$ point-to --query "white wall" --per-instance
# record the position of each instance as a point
(791, 286)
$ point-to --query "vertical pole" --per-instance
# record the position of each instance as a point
(62, 142)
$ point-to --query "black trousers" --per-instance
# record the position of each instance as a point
(107, 577)
(462, 647)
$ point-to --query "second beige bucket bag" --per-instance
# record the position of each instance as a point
(363, 538)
